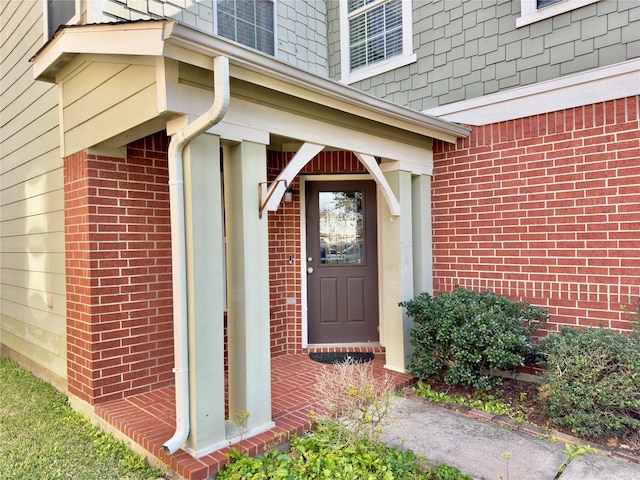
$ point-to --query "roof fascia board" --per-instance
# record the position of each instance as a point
(138, 38)
(257, 67)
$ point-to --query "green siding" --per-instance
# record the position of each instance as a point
(468, 48)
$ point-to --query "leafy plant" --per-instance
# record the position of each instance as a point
(469, 334)
(344, 444)
(324, 454)
(482, 401)
(574, 450)
(592, 382)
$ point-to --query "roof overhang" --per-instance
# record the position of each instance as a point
(170, 39)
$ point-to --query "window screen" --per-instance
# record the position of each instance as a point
(375, 34)
(249, 22)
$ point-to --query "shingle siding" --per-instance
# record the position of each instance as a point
(302, 35)
(301, 27)
(477, 48)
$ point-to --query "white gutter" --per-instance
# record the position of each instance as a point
(178, 245)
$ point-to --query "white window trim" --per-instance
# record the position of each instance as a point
(405, 58)
(275, 28)
(45, 18)
(529, 12)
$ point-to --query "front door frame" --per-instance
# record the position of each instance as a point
(303, 245)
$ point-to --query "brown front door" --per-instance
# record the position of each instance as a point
(342, 261)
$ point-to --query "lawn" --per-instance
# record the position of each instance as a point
(41, 437)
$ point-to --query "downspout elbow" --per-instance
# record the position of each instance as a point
(178, 246)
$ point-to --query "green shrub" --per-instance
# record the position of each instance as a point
(325, 453)
(467, 334)
(593, 381)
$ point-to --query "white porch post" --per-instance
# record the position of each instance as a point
(203, 219)
(406, 257)
(422, 235)
(396, 278)
(245, 166)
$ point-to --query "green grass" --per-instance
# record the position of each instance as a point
(42, 437)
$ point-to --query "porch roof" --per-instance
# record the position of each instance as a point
(170, 39)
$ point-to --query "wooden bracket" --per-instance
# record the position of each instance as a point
(270, 192)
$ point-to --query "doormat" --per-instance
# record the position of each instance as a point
(341, 357)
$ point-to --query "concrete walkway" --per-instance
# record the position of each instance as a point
(487, 451)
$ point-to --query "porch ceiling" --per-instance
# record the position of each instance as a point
(251, 71)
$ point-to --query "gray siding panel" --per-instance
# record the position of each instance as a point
(468, 48)
(301, 27)
(303, 35)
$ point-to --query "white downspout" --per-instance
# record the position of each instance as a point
(178, 245)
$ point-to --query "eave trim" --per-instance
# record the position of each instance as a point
(171, 39)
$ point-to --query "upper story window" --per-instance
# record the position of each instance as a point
(249, 22)
(60, 12)
(532, 11)
(375, 37)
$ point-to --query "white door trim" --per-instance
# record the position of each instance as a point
(303, 238)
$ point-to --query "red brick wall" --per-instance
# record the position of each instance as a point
(284, 240)
(118, 268)
(545, 209)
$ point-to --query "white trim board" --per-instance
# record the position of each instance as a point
(599, 85)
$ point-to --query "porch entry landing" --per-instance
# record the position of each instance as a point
(149, 418)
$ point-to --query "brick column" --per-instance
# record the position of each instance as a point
(118, 272)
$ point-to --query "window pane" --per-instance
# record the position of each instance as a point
(544, 3)
(59, 12)
(356, 4)
(227, 6)
(246, 33)
(249, 22)
(264, 14)
(245, 10)
(376, 35)
(226, 26)
(341, 228)
(264, 41)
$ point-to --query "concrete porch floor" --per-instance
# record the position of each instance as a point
(149, 418)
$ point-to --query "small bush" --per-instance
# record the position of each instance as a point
(593, 381)
(352, 392)
(467, 334)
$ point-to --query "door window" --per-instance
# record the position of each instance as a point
(341, 228)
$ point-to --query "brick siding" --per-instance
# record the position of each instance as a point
(545, 209)
(118, 269)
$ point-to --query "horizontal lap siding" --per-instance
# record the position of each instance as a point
(32, 285)
(102, 100)
(545, 209)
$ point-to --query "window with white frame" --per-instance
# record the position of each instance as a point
(375, 37)
(60, 12)
(249, 22)
(532, 11)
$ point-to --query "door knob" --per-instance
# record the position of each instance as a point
(309, 270)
